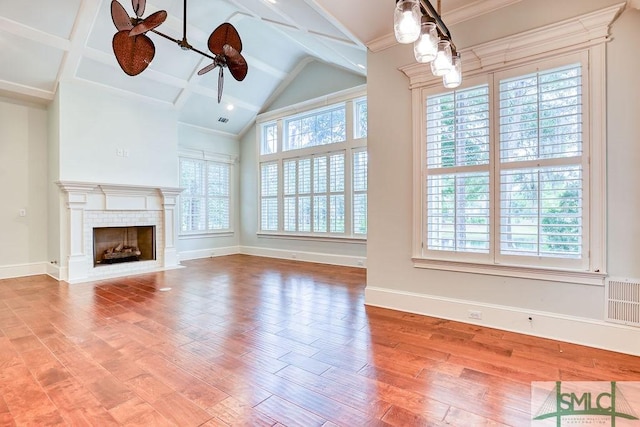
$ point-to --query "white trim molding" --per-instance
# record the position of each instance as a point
(570, 35)
(209, 253)
(577, 330)
(23, 270)
(456, 16)
(295, 255)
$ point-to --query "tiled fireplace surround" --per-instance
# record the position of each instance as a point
(89, 205)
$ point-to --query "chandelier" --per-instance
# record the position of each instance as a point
(417, 22)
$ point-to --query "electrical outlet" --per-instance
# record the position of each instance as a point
(360, 262)
(475, 314)
(294, 256)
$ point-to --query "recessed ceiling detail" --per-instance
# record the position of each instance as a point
(43, 42)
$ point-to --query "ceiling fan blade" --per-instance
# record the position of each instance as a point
(149, 23)
(138, 7)
(224, 34)
(120, 17)
(236, 63)
(134, 54)
(207, 68)
(220, 84)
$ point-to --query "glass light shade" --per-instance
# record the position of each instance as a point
(441, 65)
(426, 47)
(453, 78)
(406, 21)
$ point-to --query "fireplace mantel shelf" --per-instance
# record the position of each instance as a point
(89, 187)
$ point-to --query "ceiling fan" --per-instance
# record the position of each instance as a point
(134, 50)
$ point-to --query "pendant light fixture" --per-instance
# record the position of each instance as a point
(453, 78)
(418, 22)
(406, 21)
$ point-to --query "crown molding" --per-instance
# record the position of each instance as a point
(475, 9)
(565, 36)
(456, 16)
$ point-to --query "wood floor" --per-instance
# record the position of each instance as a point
(242, 340)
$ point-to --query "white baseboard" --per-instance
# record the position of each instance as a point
(54, 271)
(22, 270)
(583, 331)
(321, 258)
(208, 253)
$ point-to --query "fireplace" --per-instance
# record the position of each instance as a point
(112, 245)
(136, 218)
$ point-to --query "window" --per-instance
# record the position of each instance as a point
(541, 164)
(360, 192)
(511, 166)
(505, 167)
(315, 128)
(458, 170)
(316, 184)
(205, 201)
(360, 113)
(269, 139)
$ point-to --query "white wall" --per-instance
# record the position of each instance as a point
(55, 225)
(212, 143)
(623, 153)
(95, 123)
(23, 175)
(315, 80)
(507, 302)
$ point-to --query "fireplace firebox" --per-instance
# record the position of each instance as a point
(113, 245)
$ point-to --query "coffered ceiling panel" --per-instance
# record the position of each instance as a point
(29, 63)
(55, 17)
(103, 74)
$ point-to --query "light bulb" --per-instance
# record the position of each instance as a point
(406, 21)
(426, 47)
(453, 78)
(441, 65)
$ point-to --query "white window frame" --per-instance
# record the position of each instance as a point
(584, 36)
(208, 158)
(347, 147)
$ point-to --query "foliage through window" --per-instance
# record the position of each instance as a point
(316, 183)
(316, 128)
(205, 201)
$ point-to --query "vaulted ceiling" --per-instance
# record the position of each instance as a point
(43, 42)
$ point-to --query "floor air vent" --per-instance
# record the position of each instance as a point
(623, 301)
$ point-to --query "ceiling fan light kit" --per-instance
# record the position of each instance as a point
(418, 22)
(134, 50)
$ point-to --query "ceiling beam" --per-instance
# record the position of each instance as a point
(33, 34)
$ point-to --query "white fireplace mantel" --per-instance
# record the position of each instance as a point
(126, 204)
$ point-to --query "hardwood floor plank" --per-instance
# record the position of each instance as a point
(181, 411)
(289, 413)
(249, 341)
(137, 412)
(233, 412)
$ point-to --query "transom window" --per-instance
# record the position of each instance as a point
(314, 172)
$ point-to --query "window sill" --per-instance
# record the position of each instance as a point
(313, 237)
(548, 274)
(205, 234)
